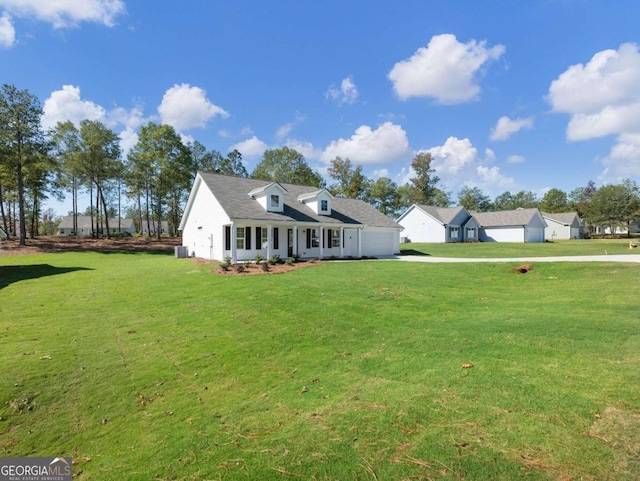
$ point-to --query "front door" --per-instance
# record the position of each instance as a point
(290, 243)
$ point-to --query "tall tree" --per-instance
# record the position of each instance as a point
(286, 165)
(66, 141)
(22, 139)
(161, 165)
(554, 201)
(580, 197)
(425, 181)
(473, 199)
(100, 164)
(232, 165)
(350, 182)
(615, 205)
(383, 195)
(507, 201)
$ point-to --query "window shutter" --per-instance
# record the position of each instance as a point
(227, 237)
(275, 237)
(329, 231)
(308, 238)
(258, 237)
(247, 238)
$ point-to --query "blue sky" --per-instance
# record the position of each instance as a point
(506, 95)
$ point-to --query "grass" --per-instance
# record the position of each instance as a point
(143, 366)
(582, 247)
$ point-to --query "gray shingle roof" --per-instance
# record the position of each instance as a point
(505, 217)
(565, 218)
(231, 192)
(443, 214)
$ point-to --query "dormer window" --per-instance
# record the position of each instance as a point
(324, 205)
(275, 201)
(270, 197)
(319, 201)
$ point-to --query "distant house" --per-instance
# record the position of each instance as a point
(3, 236)
(239, 218)
(425, 223)
(65, 228)
(520, 225)
(151, 228)
(563, 226)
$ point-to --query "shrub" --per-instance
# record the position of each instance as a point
(265, 266)
(290, 261)
(259, 258)
(226, 264)
(240, 268)
(274, 260)
(246, 264)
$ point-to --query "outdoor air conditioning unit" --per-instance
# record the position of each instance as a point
(181, 252)
(404, 240)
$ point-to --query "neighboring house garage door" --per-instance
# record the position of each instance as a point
(502, 234)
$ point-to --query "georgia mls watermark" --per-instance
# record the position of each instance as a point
(35, 469)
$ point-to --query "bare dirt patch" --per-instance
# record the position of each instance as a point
(523, 268)
(55, 244)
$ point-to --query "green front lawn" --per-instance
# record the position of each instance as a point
(143, 366)
(585, 247)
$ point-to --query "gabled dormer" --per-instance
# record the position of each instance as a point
(270, 197)
(319, 201)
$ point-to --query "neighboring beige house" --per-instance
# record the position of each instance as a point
(240, 218)
(425, 223)
(520, 225)
(563, 226)
(124, 226)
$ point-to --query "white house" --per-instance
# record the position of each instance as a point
(237, 217)
(123, 226)
(520, 225)
(562, 226)
(425, 223)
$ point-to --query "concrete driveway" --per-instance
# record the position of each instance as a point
(601, 258)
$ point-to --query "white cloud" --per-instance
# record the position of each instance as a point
(66, 13)
(252, 148)
(7, 32)
(305, 148)
(346, 94)
(507, 127)
(66, 104)
(603, 98)
(387, 143)
(128, 138)
(284, 131)
(515, 159)
(445, 69)
(379, 173)
(132, 118)
(457, 163)
(185, 107)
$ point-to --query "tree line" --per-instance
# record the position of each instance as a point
(152, 182)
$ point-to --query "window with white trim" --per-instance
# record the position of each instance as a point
(335, 237)
(239, 237)
(264, 233)
(275, 201)
(454, 232)
(471, 233)
(324, 205)
(315, 238)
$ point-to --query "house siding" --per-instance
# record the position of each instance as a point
(421, 227)
(202, 233)
(502, 234)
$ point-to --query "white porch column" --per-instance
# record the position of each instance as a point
(269, 238)
(321, 241)
(341, 241)
(234, 256)
(295, 241)
(359, 242)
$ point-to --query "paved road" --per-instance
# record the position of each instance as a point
(611, 258)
